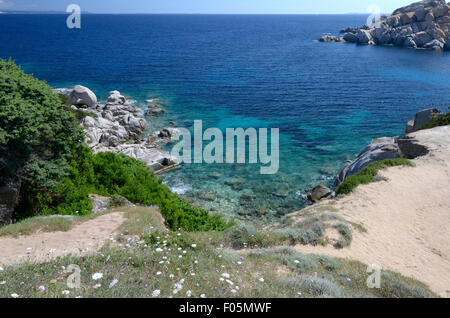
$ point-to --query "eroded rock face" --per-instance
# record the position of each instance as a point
(380, 149)
(424, 24)
(9, 198)
(411, 147)
(422, 118)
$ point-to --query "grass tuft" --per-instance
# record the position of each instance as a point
(369, 173)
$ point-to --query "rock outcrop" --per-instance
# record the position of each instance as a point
(422, 118)
(380, 149)
(116, 127)
(319, 193)
(82, 96)
(101, 204)
(424, 24)
(9, 198)
(391, 147)
(331, 38)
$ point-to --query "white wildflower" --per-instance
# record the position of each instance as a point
(65, 292)
(156, 293)
(97, 276)
(14, 295)
(226, 275)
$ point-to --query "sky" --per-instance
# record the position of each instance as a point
(208, 6)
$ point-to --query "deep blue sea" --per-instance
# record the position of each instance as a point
(328, 99)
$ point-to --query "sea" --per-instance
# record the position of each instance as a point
(328, 100)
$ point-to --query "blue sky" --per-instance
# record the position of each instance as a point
(208, 6)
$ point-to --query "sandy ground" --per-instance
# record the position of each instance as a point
(82, 239)
(407, 217)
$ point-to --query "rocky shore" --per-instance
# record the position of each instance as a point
(421, 25)
(116, 126)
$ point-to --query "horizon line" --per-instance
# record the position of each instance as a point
(173, 13)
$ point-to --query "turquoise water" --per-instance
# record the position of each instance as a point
(328, 100)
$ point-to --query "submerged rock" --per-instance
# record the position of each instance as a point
(210, 195)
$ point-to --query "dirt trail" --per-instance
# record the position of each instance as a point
(82, 239)
(407, 217)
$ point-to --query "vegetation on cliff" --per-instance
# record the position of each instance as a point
(368, 174)
(42, 152)
(443, 120)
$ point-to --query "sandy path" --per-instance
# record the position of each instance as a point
(407, 218)
(82, 239)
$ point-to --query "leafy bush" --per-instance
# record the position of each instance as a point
(329, 263)
(117, 201)
(314, 286)
(114, 175)
(246, 235)
(37, 134)
(346, 235)
(368, 174)
(392, 286)
(443, 120)
(289, 257)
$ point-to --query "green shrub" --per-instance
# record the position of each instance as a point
(117, 201)
(246, 235)
(346, 235)
(114, 175)
(368, 174)
(329, 263)
(295, 260)
(37, 134)
(392, 286)
(314, 286)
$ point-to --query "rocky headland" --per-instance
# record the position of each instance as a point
(421, 25)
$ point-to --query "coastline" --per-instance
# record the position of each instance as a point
(407, 220)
